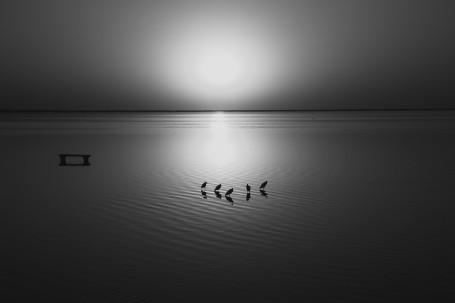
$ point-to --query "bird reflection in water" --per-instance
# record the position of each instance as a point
(227, 195)
(204, 194)
(230, 200)
(263, 193)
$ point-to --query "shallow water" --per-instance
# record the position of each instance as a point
(359, 207)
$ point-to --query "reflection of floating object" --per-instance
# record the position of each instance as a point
(229, 192)
(248, 196)
(263, 193)
(218, 195)
(63, 158)
(263, 185)
(203, 185)
(218, 187)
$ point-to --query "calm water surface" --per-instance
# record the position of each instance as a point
(359, 207)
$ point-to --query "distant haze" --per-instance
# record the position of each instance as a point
(214, 55)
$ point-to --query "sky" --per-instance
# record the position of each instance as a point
(227, 55)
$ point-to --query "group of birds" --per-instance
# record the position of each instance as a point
(230, 191)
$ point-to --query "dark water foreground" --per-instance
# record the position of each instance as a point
(360, 207)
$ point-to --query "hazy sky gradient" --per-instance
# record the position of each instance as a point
(324, 54)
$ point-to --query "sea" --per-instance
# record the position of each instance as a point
(359, 206)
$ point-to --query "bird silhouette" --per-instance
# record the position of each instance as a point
(217, 188)
(203, 185)
(229, 192)
(263, 185)
(248, 187)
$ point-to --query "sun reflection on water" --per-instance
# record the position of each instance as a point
(218, 125)
(221, 147)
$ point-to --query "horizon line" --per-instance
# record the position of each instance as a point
(214, 110)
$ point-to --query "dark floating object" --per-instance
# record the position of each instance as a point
(263, 185)
(263, 193)
(248, 196)
(229, 192)
(248, 188)
(218, 187)
(203, 185)
(63, 158)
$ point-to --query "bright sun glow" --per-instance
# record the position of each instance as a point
(217, 66)
(220, 66)
(208, 60)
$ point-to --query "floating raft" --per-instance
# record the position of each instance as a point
(64, 158)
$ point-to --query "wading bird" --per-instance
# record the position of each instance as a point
(203, 185)
(248, 187)
(263, 185)
(217, 188)
(229, 192)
